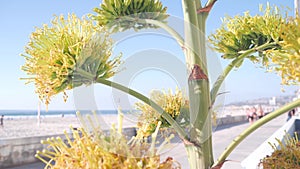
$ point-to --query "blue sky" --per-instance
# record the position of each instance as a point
(19, 18)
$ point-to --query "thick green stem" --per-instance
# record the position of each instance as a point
(202, 39)
(148, 101)
(254, 127)
(199, 148)
(198, 4)
(192, 33)
(206, 93)
(200, 152)
(227, 70)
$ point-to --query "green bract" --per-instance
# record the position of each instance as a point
(68, 53)
(120, 15)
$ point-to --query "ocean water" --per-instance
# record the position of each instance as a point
(12, 113)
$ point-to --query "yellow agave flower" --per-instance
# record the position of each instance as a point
(287, 59)
(244, 32)
(279, 32)
(66, 54)
(95, 149)
(174, 104)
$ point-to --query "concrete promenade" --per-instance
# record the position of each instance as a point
(226, 134)
(222, 136)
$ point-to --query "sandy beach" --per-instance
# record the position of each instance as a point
(23, 126)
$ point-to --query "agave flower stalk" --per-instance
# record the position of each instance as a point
(199, 145)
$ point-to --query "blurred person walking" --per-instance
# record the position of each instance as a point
(260, 112)
(291, 113)
(251, 114)
(1, 120)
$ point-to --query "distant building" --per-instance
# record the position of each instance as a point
(272, 101)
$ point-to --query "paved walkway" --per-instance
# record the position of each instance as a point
(222, 136)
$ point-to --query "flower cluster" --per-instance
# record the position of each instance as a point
(241, 33)
(174, 104)
(68, 53)
(95, 149)
(275, 38)
(287, 59)
(120, 15)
